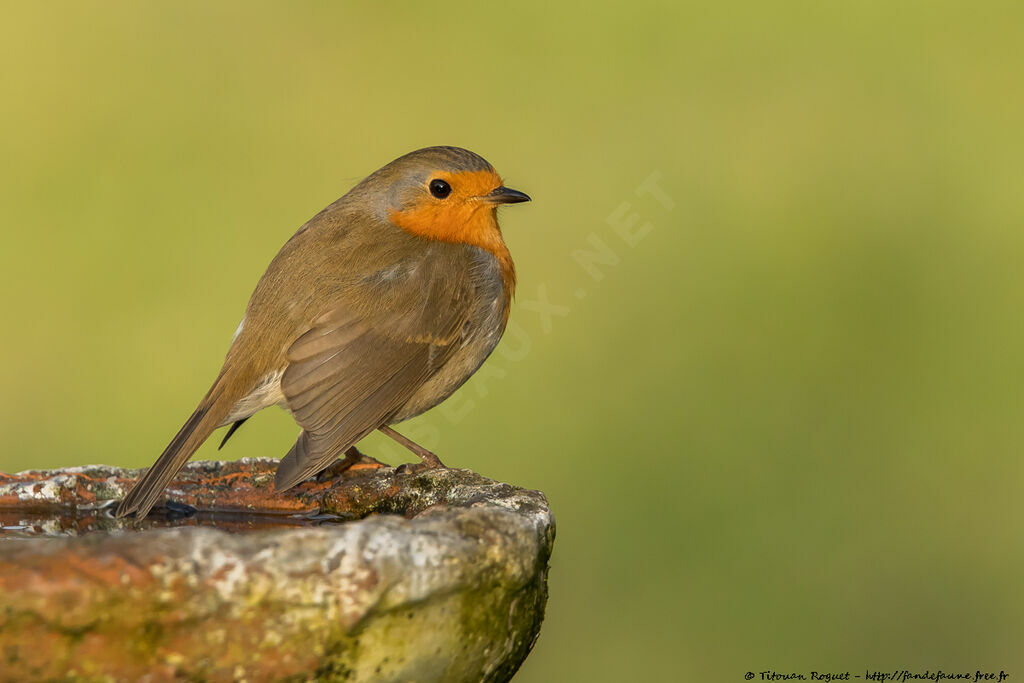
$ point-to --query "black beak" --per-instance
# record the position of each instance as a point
(505, 195)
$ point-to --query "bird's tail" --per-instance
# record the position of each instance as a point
(150, 487)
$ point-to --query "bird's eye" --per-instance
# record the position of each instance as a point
(440, 188)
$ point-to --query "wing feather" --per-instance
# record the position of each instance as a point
(358, 365)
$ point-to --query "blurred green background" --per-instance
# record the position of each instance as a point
(781, 430)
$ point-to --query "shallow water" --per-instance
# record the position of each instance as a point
(21, 523)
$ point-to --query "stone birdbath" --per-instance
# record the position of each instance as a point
(371, 574)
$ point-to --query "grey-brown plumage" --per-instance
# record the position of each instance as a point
(374, 311)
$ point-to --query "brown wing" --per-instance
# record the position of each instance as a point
(359, 364)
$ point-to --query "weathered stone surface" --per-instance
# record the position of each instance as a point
(434, 576)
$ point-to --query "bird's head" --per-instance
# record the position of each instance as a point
(447, 194)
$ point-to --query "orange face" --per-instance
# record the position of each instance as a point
(464, 215)
(463, 212)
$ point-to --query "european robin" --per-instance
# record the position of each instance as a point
(376, 310)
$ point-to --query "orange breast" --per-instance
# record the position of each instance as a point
(461, 218)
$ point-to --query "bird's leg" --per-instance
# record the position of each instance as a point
(430, 461)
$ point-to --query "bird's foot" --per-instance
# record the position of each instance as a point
(415, 467)
(353, 456)
(428, 461)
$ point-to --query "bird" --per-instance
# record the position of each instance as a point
(377, 309)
